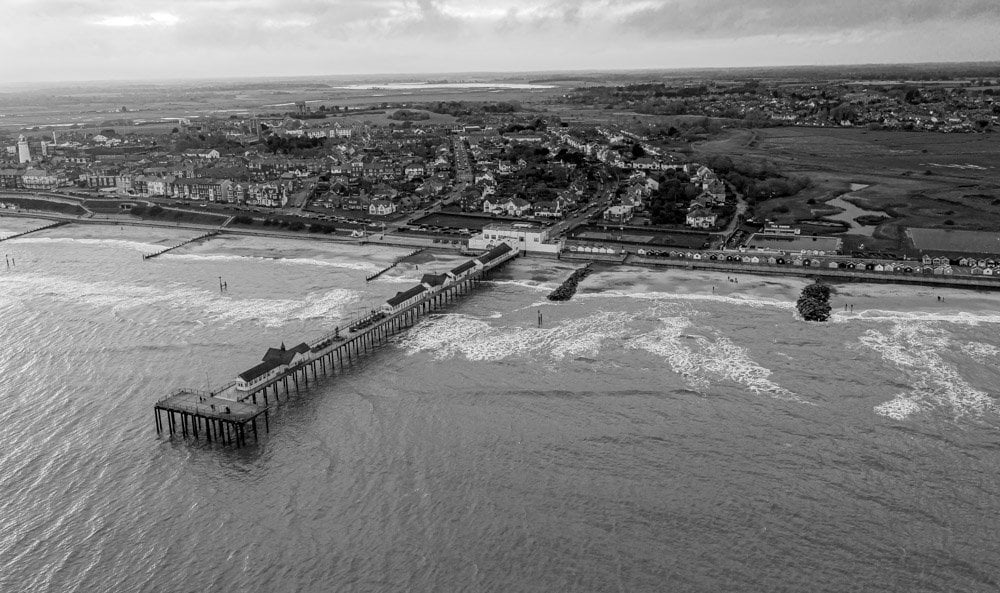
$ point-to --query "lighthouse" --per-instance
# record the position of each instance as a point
(23, 152)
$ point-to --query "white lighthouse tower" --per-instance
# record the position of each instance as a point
(23, 152)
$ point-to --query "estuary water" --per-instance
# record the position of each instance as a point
(662, 431)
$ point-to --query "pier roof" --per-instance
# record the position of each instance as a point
(463, 267)
(433, 279)
(402, 297)
(259, 370)
(494, 253)
(283, 356)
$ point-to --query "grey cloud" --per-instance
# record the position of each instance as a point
(723, 18)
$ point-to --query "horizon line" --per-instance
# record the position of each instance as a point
(621, 70)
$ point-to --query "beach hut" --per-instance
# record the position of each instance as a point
(816, 263)
(713, 257)
(799, 262)
(927, 270)
(878, 268)
(641, 252)
(836, 265)
(772, 260)
(964, 262)
(697, 256)
(781, 261)
(755, 260)
(948, 271)
(988, 272)
(908, 269)
(926, 260)
(977, 271)
(981, 263)
(939, 261)
(939, 270)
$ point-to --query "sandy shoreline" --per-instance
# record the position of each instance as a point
(869, 300)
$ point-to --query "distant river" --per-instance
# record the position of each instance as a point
(653, 434)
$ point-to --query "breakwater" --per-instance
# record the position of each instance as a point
(568, 288)
(395, 263)
(179, 245)
(41, 228)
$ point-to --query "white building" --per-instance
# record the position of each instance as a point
(521, 236)
(23, 152)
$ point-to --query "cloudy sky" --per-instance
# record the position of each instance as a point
(44, 40)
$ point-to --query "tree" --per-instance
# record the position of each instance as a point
(638, 151)
(814, 302)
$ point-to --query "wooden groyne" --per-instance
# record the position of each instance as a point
(189, 241)
(395, 263)
(567, 289)
(234, 408)
(41, 228)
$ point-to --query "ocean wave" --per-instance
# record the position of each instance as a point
(732, 299)
(917, 350)
(956, 317)
(536, 286)
(278, 260)
(447, 336)
(199, 304)
(119, 243)
(983, 353)
(707, 359)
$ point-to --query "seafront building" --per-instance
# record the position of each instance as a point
(525, 237)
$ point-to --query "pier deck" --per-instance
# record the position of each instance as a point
(195, 410)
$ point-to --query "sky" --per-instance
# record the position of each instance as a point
(59, 40)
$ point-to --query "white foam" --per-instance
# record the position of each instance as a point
(956, 317)
(708, 358)
(732, 299)
(917, 350)
(983, 353)
(278, 260)
(536, 286)
(899, 408)
(119, 243)
(206, 305)
(475, 339)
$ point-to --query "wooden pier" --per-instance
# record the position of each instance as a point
(342, 353)
(197, 412)
(331, 354)
(41, 228)
(179, 245)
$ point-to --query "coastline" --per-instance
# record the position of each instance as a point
(685, 278)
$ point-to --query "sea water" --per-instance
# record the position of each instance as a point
(662, 431)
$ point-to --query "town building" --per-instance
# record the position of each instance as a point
(520, 236)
